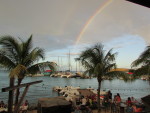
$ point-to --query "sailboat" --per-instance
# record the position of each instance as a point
(68, 73)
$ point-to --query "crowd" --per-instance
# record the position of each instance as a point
(3, 107)
(23, 108)
(85, 104)
(131, 105)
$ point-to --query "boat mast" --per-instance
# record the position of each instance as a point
(69, 64)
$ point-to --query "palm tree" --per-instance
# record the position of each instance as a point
(36, 67)
(99, 64)
(143, 62)
(18, 57)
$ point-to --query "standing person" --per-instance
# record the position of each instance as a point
(109, 96)
(118, 98)
(2, 104)
(128, 101)
(80, 96)
(84, 100)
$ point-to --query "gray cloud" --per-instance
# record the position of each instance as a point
(118, 19)
(56, 24)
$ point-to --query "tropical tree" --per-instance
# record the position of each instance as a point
(36, 67)
(99, 64)
(143, 63)
(18, 57)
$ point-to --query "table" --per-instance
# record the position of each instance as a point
(122, 107)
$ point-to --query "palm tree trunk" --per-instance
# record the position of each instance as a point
(10, 97)
(18, 92)
(98, 94)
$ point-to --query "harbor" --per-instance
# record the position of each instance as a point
(138, 88)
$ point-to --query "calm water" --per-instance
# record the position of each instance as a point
(138, 88)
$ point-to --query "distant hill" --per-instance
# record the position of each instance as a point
(121, 69)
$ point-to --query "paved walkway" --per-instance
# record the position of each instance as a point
(85, 92)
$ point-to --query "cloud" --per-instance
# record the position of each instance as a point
(56, 24)
(118, 19)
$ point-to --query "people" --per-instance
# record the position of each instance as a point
(80, 97)
(74, 100)
(129, 108)
(25, 106)
(137, 109)
(88, 110)
(128, 101)
(118, 98)
(109, 94)
(105, 102)
(2, 104)
(84, 100)
(133, 100)
(77, 110)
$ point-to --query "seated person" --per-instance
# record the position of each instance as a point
(88, 102)
(25, 106)
(137, 109)
(77, 110)
(133, 100)
(129, 108)
(105, 102)
(88, 109)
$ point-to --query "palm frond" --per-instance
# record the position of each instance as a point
(120, 74)
(11, 45)
(109, 67)
(99, 64)
(33, 69)
(144, 70)
(33, 56)
(14, 53)
(5, 60)
(99, 70)
(143, 59)
(52, 66)
(19, 71)
(26, 48)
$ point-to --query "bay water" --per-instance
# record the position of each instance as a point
(138, 88)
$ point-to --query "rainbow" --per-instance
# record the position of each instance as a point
(100, 9)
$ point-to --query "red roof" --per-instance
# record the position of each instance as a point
(48, 70)
(130, 73)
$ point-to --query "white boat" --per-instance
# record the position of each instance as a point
(66, 75)
(38, 75)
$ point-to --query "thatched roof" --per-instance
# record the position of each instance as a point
(146, 100)
(121, 69)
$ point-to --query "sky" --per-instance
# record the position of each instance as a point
(63, 26)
